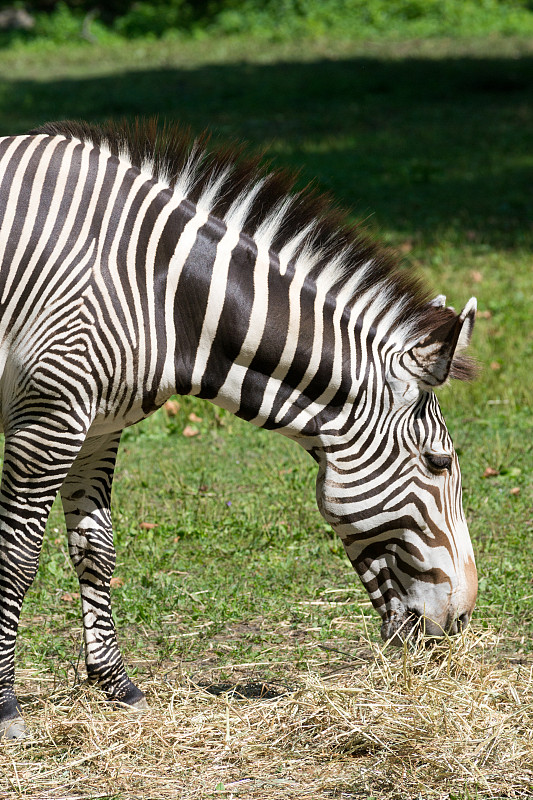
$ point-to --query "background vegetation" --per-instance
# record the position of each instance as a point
(63, 20)
(226, 571)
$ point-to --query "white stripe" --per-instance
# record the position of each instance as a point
(137, 184)
(314, 362)
(229, 395)
(291, 343)
(131, 253)
(183, 248)
(215, 303)
(154, 351)
(19, 179)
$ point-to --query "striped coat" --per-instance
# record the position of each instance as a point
(135, 264)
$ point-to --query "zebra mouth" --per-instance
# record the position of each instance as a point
(398, 628)
(412, 625)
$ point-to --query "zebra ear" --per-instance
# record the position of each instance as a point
(431, 361)
(439, 301)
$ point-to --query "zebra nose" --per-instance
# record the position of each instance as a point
(458, 624)
(425, 626)
(462, 621)
(431, 628)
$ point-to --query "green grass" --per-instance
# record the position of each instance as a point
(431, 144)
(347, 115)
(240, 556)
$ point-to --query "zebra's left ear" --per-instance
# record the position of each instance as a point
(435, 358)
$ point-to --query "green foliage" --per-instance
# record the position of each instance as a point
(155, 18)
(63, 25)
(277, 19)
(366, 18)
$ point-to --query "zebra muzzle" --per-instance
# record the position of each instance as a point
(412, 626)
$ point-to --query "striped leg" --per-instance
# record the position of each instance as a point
(36, 460)
(86, 495)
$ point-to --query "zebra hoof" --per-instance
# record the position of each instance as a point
(13, 728)
(140, 705)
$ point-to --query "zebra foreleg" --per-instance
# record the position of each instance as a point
(36, 460)
(86, 495)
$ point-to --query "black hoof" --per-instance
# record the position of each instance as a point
(130, 696)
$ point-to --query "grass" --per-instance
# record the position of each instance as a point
(241, 582)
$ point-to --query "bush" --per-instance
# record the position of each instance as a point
(63, 25)
(281, 19)
(362, 18)
(155, 18)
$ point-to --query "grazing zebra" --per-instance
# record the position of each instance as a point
(135, 264)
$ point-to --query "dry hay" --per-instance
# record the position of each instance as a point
(431, 722)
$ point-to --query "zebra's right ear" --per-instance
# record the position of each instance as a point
(431, 361)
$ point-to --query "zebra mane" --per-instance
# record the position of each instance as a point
(306, 224)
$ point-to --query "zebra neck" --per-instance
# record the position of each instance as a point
(253, 335)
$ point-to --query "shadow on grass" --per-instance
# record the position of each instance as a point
(428, 147)
(252, 690)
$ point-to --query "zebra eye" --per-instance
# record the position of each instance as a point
(438, 462)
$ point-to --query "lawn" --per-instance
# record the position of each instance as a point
(240, 582)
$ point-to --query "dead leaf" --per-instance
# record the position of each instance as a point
(495, 365)
(476, 276)
(490, 472)
(171, 407)
(69, 597)
(190, 431)
(116, 582)
(148, 526)
(194, 418)
(484, 314)
(176, 539)
(515, 490)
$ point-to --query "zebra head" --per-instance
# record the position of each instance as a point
(392, 491)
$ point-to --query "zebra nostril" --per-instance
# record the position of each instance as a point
(462, 621)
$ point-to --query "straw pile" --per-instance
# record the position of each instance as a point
(423, 723)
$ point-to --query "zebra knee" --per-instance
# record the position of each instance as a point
(92, 555)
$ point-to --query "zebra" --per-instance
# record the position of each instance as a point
(136, 263)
